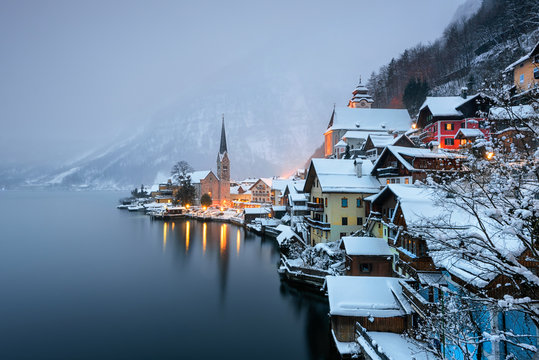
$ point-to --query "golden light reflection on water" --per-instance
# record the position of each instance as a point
(172, 226)
(204, 233)
(223, 238)
(238, 242)
(187, 233)
(164, 235)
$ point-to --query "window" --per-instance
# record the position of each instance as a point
(449, 126)
(391, 213)
(449, 141)
(521, 79)
(326, 202)
(406, 181)
(326, 218)
(344, 202)
(392, 181)
(342, 235)
(536, 73)
(387, 181)
(345, 220)
(397, 181)
(360, 221)
(365, 268)
(358, 202)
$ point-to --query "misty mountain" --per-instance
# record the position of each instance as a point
(272, 123)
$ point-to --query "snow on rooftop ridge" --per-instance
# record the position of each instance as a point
(444, 105)
(346, 118)
(512, 112)
(357, 245)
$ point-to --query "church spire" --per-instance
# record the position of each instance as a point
(222, 148)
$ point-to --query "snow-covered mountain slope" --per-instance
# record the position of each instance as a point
(272, 125)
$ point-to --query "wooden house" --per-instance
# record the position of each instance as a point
(375, 144)
(376, 303)
(405, 165)
(440, 118)
(367, 256)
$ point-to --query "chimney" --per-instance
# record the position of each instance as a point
(434, 146)
(358, 164)
(464, 92)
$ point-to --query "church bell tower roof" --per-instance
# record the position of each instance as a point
(222, 147)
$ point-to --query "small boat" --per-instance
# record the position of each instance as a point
(135, 207)
(122, 206)
(175, 212)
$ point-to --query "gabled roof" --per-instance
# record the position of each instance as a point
(364, 296)
(197, 176)
(469, 133)
(345, 118)
(339, 176)
(382, 140)
(524, 58)
(400, 151)
(265, 181)
(357, 245)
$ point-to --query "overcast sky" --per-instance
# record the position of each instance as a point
(75, 75)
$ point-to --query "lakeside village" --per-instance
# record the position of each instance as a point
(421, 232)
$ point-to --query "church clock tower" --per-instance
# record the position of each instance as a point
(223, 168)
(360, 97)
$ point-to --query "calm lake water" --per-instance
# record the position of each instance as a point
(80, 279)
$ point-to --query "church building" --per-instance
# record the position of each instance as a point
(223, 170)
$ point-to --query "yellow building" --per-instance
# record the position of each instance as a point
(337, 188)
(526, 70)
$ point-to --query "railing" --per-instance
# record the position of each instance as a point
(318, 224)
(418, 302)
(362, 334)
(315, 206)
(388, 171)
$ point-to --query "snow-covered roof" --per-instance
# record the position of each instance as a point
(382, 140)
(339, 176)
(445, 105)
(341, 143)
(280, 184)
(297, 197)
(257, 211)
(522, 59)
(399, 151)
(512, 112)
(400, 347)
(354, 134)
(357, 245)
(364, 296)
(278, 208)
(196, 176)
(346, 118)
(467, 133)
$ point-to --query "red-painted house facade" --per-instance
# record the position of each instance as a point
(442, 117)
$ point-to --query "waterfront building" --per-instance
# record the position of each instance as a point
(337, 189)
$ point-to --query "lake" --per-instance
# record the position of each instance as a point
(82, 279)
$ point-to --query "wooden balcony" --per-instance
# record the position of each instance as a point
(389, 171)
(418, 302)
(317, 224)
(318, 207)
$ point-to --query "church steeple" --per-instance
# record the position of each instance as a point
(222, 147)
(361, 97)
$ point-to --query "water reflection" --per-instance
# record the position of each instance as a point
(223, 239)
(238, 241)
(204, 237)
(187, 234)
(164, 235)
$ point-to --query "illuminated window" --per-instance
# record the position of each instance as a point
(326, 201)
(406, 181)
(344, 202)
(387, 181)
(449, 126)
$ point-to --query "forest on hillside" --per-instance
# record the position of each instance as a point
(470, 52)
